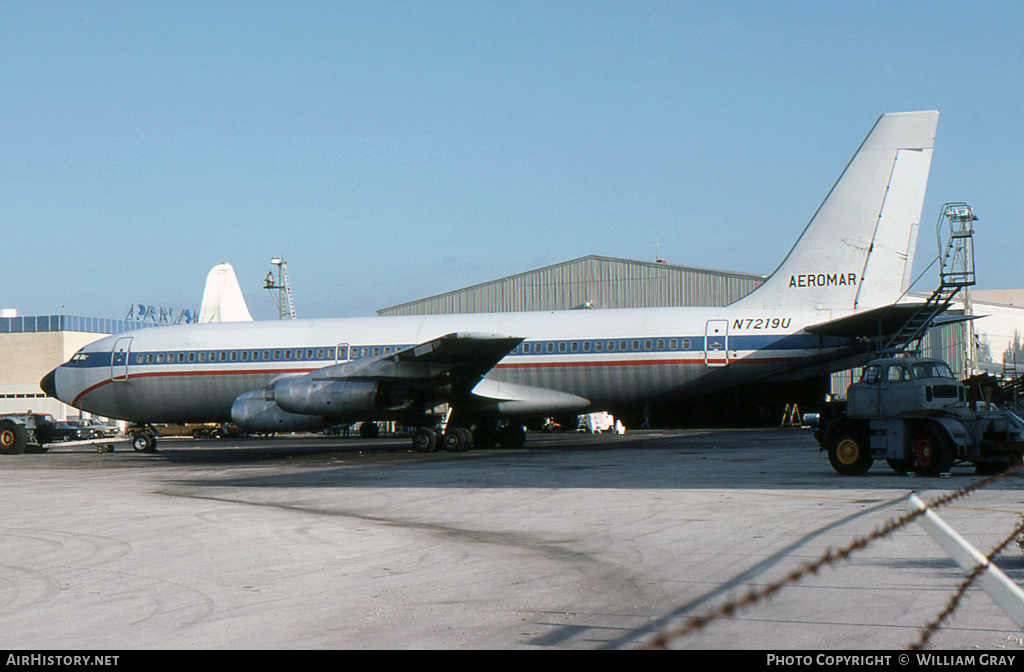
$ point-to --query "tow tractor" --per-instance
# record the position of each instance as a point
(914, 414)
(33, 433)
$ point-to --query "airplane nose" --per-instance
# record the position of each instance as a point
(49, 384)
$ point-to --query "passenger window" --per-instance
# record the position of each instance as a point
(138, 359)
(550, 347)
(673, 344)
(266, 355)
(320, 353)
(234, 355)
(376, 351)
(661, 344)
(561, 347)
(648, 345)
(287, 354)
(309, 354)
(149, 359)
(586, 346)
(686, 344)
(160, 358)
(537, 347)
(636, 345)
(191, 356)
(611, 346)
(598, 346)
(623, 346)
(202, 357)
(181, 356)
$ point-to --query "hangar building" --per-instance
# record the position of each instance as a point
(591, 282)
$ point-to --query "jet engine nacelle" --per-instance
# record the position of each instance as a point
(306, 396)
(252, 412)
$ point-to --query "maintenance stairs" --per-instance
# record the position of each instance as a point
(956, 273)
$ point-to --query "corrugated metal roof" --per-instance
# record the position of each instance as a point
(591, 281)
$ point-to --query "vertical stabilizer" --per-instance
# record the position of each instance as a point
(858, 250)
(222, 298)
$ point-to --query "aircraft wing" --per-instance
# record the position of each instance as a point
(463, 358)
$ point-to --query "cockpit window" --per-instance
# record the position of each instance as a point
(932, 370)
(79, 357)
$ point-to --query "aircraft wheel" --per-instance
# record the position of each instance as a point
(512, 436)
(13, 438)
(932, 452)
(485, 436)
(144, 443)
(467, 436)
(455, 441)
(849, 452)
(424, 441)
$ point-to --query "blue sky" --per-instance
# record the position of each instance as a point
(395, 150)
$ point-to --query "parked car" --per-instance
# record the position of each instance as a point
(99, 430)
(52, 431)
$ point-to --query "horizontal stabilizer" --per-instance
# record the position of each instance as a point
(878, 322)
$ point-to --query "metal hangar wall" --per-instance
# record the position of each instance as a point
(590, 282)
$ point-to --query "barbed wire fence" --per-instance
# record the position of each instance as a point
(756, 595)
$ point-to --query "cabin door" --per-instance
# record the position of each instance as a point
(716, 343)
(119, 359)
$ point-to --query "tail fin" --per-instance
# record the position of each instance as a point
(222, 297)
(858, 250)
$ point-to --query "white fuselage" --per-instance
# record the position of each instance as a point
(609, 357)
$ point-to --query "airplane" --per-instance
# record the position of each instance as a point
(468, 378)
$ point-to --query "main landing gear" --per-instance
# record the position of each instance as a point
(461, 439)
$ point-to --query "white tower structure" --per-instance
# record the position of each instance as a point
(283, 299)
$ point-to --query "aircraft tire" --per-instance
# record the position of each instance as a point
(933, 453)
(512, 436)
(454, 441)
(467, 436)
(485, 436)
(144, 443)
(13, 438)
(424, 441)
(848, 450)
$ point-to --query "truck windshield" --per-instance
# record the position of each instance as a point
(932, 370)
